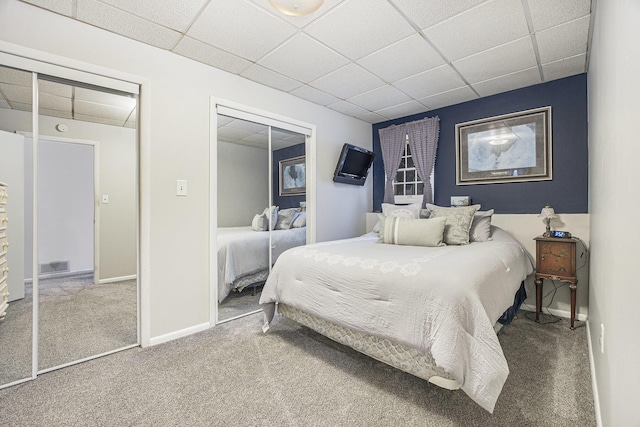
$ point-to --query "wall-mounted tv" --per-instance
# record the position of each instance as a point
(353, 165)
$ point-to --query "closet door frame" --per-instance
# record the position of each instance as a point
(273, 120)
(38, 62)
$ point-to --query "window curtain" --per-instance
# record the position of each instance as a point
(423, 141)
(392, 141)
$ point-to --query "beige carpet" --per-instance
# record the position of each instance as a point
(234, 375)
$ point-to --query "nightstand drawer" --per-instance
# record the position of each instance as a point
(556, 258)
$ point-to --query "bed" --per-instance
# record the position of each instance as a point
(429, 311)
(243, 255)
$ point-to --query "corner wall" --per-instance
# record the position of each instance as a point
(614, 91)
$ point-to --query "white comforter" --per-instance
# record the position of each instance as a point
(442, 300)
(242, 251)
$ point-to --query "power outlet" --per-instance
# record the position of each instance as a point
(601, 339)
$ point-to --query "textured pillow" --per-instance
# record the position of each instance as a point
(480, 230)
(300, 220)
(273, 211)
(401, 211)
(456, 229)
(285, 218)
(411, 231)
(260, 223)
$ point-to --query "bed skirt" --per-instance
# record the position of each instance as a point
(405, 358)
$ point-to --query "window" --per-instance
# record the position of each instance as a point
(407, 185)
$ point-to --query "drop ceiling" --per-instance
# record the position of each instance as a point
(371, 59)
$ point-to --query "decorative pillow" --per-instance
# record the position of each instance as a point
(398, 211)
(260, 223)
(285, 218)
(300, 220)
(411, 231)
(459, 219)
(273, 211)
(480, 230)
(401, 211)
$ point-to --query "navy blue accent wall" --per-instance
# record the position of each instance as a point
(284, 154)
(567, 192)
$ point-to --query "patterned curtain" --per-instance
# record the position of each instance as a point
(392, 141)
(423, 141)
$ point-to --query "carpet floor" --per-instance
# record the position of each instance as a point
(234, 375)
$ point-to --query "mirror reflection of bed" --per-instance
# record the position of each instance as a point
(260, 213)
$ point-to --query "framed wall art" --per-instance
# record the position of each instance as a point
(509, 148)
(293, 180)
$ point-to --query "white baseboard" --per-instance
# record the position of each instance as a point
(594, 384)
(179, 334)
(117, 279)
(58, 275)
(560, 313)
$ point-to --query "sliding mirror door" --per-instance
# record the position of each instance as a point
(16, 318)
(87, 222)
(243, 215)
(261, 188)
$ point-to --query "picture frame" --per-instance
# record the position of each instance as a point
(293, 180)
(514, 147)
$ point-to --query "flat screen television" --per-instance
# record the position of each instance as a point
(353, 165)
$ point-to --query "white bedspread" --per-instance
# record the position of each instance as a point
(242, 251)
(443, 300)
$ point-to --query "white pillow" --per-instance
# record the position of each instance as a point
(481, 226)
(300, 220)
(398, 211)
(260, 223)
(411, 231)
(274, 215)
(285, 218)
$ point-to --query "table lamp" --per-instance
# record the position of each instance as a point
(547, 213)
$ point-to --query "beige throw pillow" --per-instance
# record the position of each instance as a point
(458, 222)
(411, 231)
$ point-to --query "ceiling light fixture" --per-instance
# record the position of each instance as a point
(296, 7)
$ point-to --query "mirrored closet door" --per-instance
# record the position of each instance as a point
(261, 188)
(69, 159)
(16, 288)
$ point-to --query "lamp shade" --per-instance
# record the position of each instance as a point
(296, 7)
(547, 212)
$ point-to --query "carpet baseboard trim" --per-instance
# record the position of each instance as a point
(560, 313)
(117, 279)
(594, 383)
(179, 334)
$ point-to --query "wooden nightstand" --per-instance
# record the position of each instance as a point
(556, 260)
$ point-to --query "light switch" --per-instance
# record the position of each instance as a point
(105, 199)
(181, 187)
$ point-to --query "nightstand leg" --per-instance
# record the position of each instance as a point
(538, 283)
(573, 287)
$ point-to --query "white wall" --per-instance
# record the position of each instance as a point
(117, 177)
(614, 91)
(243, 186)
(178, 93)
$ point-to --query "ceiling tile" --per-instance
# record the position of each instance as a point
(177, 15)
(371, 117)
(126, 102)
(20, 106)
(430, 82)
(98, 119)
(53, 88)
(380, 98)
(3, 103)
(347, 108)
(55, 113)
(101, 110)
(21, 94)
(314, 95)
(104, 16)
(563, 41)
(210, 55)
(425, 13)
(564, 67)
(270, 78)
(53, 102)
(298, 21)
(509, 82)
(15, 77)
(348, 81)
(312, 59)
(451, 97)
(406, 109)
(391, 63)
(63, 7)
(483, 27)
(378, 24)
(548, 13)
(241, 28)
(490, 63)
